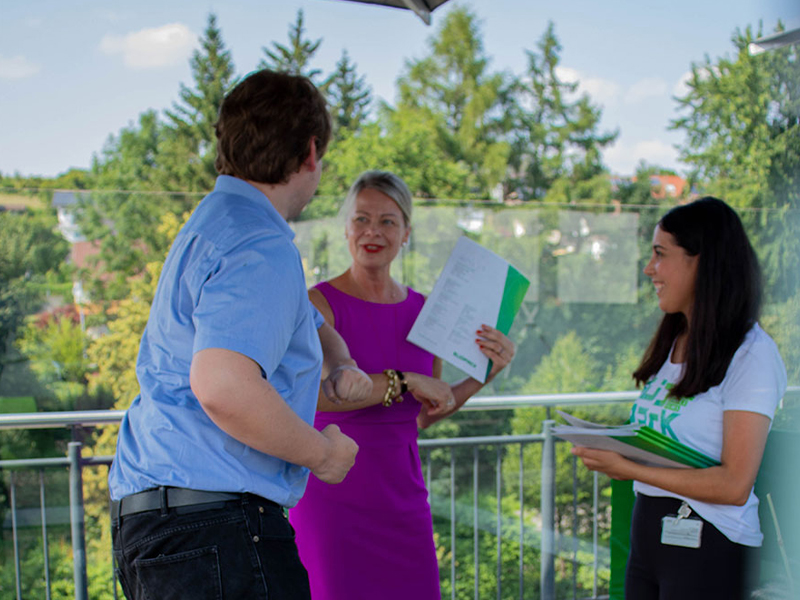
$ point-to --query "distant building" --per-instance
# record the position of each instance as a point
(65, 204)
(81, 250)
(667, 186)
(662, 187)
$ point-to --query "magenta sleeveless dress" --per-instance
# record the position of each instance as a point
(371, 537)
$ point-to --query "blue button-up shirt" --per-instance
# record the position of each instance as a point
(233, 279)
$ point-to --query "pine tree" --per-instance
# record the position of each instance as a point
(349, 98)
(295, 57)
(454, 87)
(551, 137)
(190, 145)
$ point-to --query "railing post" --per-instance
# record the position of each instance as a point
(547, 585)
(76, 521)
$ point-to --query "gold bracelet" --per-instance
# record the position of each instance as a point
(391, 388)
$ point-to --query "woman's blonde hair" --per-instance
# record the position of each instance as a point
(385, 182)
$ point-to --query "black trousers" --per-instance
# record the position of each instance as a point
(231, 550)
(719, 570)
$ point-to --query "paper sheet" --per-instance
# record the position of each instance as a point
(593, 438)
(476, 287)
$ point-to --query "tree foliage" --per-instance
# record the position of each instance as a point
(741, 117)
(349, 98)
(189, 146)
(296, 57)
(30, 250)
(455, 89)
(153, 157)
(552, 137)
(55, 346)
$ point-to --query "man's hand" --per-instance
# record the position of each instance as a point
(340, 457)
(347, 383)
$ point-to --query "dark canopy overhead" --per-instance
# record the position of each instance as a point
(423, 8)
(772, 42)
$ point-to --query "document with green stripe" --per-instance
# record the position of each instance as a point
(475, 287)
(635, 441)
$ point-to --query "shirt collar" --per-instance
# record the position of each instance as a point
(233, 185)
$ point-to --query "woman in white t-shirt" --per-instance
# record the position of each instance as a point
(712, 381)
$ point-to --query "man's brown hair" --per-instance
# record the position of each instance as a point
(265, 125)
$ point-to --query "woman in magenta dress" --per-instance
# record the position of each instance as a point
(371, 536)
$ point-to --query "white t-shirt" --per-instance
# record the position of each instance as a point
(755, 382)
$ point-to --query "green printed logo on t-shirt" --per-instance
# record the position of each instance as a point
(664, 409)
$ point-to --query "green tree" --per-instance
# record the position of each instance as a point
(128, 160)
(73, 179)
(30, 248)
(296, 57)
(55, 346)
(16, 299)
(189, 143)
(741, 124)
(454, 86)
(399, 142)
(122, 214)
(552, 138)
(148, 158)
(30, 244)
(741, 119)
(349, 98)
(569, 367)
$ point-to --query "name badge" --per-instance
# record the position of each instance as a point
(680, 531)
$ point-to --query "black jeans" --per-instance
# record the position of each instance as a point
(238, 549)
(718, 570)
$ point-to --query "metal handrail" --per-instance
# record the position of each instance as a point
(76, 462)
(89, 418)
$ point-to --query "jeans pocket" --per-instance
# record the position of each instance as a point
(273, 525)
(188, 575)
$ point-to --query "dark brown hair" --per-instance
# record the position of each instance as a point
(265, 125)
(727, 296)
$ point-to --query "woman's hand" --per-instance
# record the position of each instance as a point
(434, 394)
(497, 347)
(605, 461)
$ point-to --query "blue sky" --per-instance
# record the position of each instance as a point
(72, 73)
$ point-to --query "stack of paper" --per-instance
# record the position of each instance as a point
(635, 441)
(476, 286)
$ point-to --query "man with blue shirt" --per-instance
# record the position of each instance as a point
(220, 438)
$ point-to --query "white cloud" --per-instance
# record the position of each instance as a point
(681, 87)
(600, 91)
(164, 46)
(651, 87)
(567, 75)
(17, 67)
(623, 157)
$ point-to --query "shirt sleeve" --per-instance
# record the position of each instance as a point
(756, 378)
(249, 303)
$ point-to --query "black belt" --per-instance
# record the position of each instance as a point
(164, 498)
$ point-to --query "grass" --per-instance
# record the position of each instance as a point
(18, 201)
